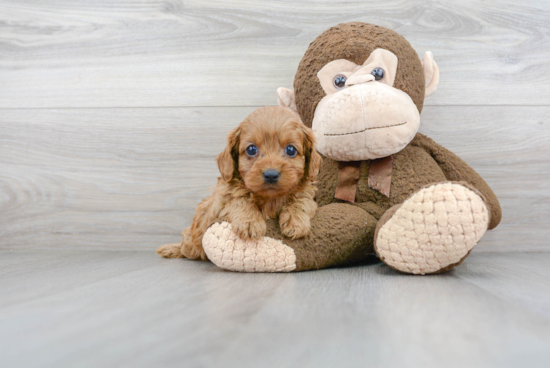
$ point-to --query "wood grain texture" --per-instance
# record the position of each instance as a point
(134, 309)
(131, 178)
(136, 53)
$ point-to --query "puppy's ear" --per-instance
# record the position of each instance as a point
(228, 159)
(313, 158)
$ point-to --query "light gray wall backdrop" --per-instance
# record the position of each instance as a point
(111, 112)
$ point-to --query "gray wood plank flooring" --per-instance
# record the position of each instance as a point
(133, 309)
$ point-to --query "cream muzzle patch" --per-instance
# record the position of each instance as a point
(363, 117)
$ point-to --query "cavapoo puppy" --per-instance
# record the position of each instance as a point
(267, 170)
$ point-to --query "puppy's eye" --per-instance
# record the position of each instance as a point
(339, 81)
(252, 150)
(378, 73)
(291, 151)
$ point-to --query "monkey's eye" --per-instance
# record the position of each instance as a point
(378, 73)
(291, 151)
(251, 150)
(339, 81)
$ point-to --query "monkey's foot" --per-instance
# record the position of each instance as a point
(433, 230)
(226, 250)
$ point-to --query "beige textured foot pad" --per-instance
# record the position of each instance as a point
(230, 252)
(434, 229)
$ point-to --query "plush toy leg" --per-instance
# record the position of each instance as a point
(340, 234)
(433, 230)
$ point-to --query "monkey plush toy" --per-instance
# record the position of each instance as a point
(384, 188)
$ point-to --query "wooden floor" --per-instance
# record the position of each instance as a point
(134, 309)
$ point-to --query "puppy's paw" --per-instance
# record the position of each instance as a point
(294, 224)
(249, 228)
(170, 251)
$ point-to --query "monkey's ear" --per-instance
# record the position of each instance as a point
(431, 73)
(287, 99)
(228, 158)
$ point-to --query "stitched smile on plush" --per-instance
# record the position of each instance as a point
(361, 131)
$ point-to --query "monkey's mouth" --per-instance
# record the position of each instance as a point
(363, 130)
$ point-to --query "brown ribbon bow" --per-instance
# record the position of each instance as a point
(380, 172)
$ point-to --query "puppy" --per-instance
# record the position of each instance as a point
(267, 170)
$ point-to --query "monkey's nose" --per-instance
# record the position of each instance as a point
(271, 176)
(359, 79)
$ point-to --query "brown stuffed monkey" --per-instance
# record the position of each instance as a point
(384, 188)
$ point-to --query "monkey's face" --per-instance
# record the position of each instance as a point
(361, 87)
(362, 116)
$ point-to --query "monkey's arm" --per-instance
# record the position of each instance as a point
(456, 169)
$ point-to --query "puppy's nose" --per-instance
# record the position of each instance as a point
(271, 176)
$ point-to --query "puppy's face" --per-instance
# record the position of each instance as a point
(271, 151)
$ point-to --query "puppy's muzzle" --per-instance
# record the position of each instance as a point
(271, 176)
